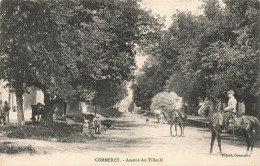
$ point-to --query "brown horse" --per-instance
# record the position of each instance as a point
(218, 121)
(174, 117)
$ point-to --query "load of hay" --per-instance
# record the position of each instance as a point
(164, 100)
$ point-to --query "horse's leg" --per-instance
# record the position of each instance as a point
(41, 118)
(247, 141)
(213, 135)
(251, 141)
(252, 145)
(33, 118)
(219, 142)
(182, 126)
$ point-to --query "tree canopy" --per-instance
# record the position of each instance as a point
(68, 49)
(206, 55)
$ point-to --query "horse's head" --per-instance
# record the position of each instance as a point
(202, 110)
(40, 106)
(212, 105)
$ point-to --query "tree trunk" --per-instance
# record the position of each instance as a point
(257, 101)
(60, 111)
(20, 113)
(49, 108)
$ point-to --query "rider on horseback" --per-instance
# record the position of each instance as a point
(230, 110)
(178, 108)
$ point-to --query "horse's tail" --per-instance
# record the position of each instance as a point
(165, 117)
(185, 120)
(257, 127)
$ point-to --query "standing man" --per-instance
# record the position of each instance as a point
(6, 111)
(1, 113)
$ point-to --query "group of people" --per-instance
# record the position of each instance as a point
(4, 112)
(230, 111)
(92, 127)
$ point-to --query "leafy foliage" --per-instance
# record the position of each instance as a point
(147, 84)
(206, 55)
(109, 93)
(70, 49)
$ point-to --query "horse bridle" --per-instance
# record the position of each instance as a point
(217, 116)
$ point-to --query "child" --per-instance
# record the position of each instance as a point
(86, 127)
(97, 124)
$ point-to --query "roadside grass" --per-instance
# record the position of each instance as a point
(56, 132)
(6, 147)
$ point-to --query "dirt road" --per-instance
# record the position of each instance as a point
(132, 141)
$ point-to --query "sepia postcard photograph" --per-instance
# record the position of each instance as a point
(129, 82)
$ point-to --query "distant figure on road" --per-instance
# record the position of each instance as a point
(2, 121)
(14, 109)
(6, 111)
(162, 118)
(158, 113)
(147, 121)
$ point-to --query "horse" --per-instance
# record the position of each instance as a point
(38, 109)
(175, 117)
(218, 121)
(158, 113)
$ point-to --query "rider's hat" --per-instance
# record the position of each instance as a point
(230, 92)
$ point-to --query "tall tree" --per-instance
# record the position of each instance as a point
(67, 48)
(205, 55)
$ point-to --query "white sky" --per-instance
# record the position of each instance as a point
(166, 8)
